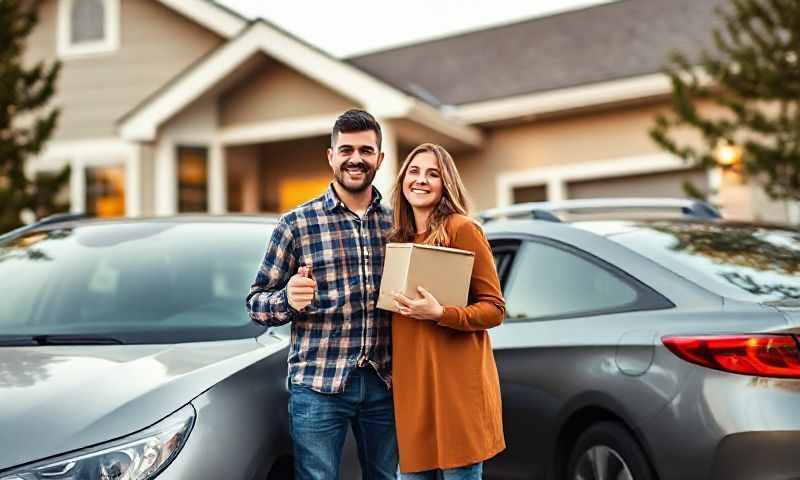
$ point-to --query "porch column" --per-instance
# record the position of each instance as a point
(251, 188)
(133, 182)
(385, 177)
(556, 189)
(217, 198)
(77, 186)
(166, 178)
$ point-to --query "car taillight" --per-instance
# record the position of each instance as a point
(758, 355)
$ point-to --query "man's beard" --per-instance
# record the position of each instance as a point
(346, 183)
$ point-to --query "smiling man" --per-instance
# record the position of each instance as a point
(322, 272)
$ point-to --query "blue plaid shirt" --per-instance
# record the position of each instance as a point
(342, 328)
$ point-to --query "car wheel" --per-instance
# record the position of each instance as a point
(606, 451)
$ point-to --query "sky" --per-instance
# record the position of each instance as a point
(350, 27)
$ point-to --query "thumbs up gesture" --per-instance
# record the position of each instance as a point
(300, 289)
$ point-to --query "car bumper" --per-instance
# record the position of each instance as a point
(727, 426)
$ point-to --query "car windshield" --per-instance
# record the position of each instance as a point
(739, 261)
(139, 282)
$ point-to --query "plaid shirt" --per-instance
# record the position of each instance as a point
(342, 328)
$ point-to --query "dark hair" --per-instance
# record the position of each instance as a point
(356, 120)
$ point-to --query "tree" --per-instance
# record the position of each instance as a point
(753, 76)
(26, 121)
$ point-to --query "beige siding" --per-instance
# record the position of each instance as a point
(156, 44)
(590, 137)
(275, 92)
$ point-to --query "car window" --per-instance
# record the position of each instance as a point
(740, 261)
(549, 281)
(503, 252)
(166, 281)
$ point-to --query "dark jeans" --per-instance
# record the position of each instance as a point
(319, 424)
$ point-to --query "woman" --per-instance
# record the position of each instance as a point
(446, 389)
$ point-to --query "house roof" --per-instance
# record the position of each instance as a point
(382, 99)
(601, 55)
(212, 15)
(618, 40)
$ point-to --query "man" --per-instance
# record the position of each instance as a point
(322, 272)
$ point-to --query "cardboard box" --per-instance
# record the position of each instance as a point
(445, 272)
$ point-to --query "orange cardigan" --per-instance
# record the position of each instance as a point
(446, 389)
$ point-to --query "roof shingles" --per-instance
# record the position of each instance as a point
(611, 41)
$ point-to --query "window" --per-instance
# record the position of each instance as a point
(142, 281)
(531, 193)
(105, 191)
(503, 252)
(553, 281)
(88, 27)
(744, 262)
(192, 179)
(296, 191)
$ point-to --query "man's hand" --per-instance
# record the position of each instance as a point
(301, 288)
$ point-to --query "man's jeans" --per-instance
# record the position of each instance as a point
(319, 424)
(470, 472)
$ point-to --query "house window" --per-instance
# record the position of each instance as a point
(88, 27)
(105, 191)
(192, 179)
(532, 193)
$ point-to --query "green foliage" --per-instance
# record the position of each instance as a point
(26, 121)
(752, 77)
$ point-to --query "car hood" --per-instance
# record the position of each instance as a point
(54, 400)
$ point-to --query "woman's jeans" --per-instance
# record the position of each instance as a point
(319, 424)
(470, 472)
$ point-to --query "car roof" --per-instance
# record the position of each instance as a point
(181, 218)
(60, 221)
(608, 227)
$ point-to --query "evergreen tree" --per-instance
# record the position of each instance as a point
(753, 77)
(26, 122)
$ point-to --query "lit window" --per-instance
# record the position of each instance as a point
(192, 179)
(88, 27)
(105, 191)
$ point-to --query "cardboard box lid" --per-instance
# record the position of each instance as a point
(431, 247)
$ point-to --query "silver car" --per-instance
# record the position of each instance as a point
(126, 353)
(641, 347)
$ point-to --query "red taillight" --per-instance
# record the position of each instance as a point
(758, 355)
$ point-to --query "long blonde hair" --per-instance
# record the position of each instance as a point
(454, 200)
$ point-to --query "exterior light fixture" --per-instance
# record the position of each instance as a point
(727, 154)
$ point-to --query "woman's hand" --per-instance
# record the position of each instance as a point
(424, 308)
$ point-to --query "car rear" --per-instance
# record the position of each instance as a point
(736, 415)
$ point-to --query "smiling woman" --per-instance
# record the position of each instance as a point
(137, 282)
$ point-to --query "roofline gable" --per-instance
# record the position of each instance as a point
(381, 99)
(209, 14)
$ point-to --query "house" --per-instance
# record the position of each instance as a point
(173, 106)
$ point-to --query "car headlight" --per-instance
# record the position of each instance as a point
(140, 456)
